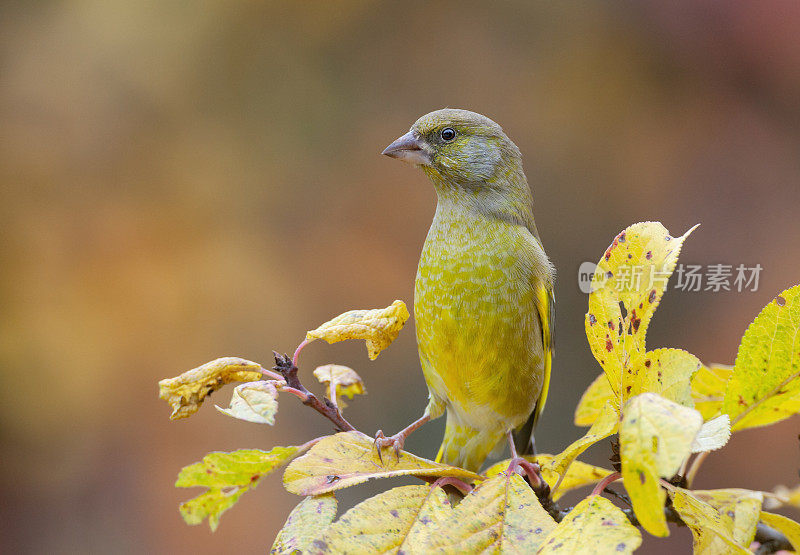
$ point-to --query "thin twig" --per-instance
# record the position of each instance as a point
(332, 392)
(270, 374)
(460, 485)
(296, 356)
(621, 496)
(684, 464)
(309, 444)
(601, 485)
(287, 369)
(698, 460)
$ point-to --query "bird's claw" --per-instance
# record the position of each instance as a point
(396, 442)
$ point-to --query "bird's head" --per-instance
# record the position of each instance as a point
(458, 147)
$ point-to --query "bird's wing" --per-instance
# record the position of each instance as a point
(546, 307)
(547, 313)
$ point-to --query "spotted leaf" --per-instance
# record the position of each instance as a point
(306, 523)
(627, 286)
(595, 525)
(350, 458)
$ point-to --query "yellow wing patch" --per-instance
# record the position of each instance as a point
(546, 305)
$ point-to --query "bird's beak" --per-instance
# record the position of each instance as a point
(409, 148)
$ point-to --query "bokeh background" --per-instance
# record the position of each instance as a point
(186, 180)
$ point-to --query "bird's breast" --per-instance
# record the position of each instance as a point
(477, 326)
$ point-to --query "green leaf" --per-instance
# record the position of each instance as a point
(350, 458)
(578, 474)
(595, 525)
(185, 393)
(396, 520)
(502, 515)
(785, 526)
(305, 523)
(621, 306)
(254, 402)
(764, 387)
(708, 388)
(228, 476)
(712, 531)
(656, 435)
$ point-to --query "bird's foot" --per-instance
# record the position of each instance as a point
(523, 466)
(396, 442)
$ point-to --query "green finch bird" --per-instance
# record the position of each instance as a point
(483, 298)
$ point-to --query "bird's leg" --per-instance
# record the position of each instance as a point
(531, 470)
(398, 440)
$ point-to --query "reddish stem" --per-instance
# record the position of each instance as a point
(533, 472)
(296, 392)
(460, 485)
(270, 374)
(296, 356)
(605, 482)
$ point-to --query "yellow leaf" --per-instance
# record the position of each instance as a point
(593, 400)
(655, 435)
(604, 426)
(348, 382)
(185, 393)
(785, 526)
(254, 402)
(349, 458)
(764, 387)
(712, 531)
(595, 525)
(377, 327)
(502, 515)
(228, 476)
(578, 474)
(667, 372)
(622, 304)
(305, 523)
(396, 520)
(713, 434)
(708, 388)
(783, 496)
(741, 505)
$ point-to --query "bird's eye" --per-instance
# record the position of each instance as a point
(448, 134)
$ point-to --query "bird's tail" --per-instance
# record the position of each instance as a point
(464, 446)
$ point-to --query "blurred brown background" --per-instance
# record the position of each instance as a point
(186, 180)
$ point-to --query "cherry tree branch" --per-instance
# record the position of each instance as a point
(769, 539)
(285, 366)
